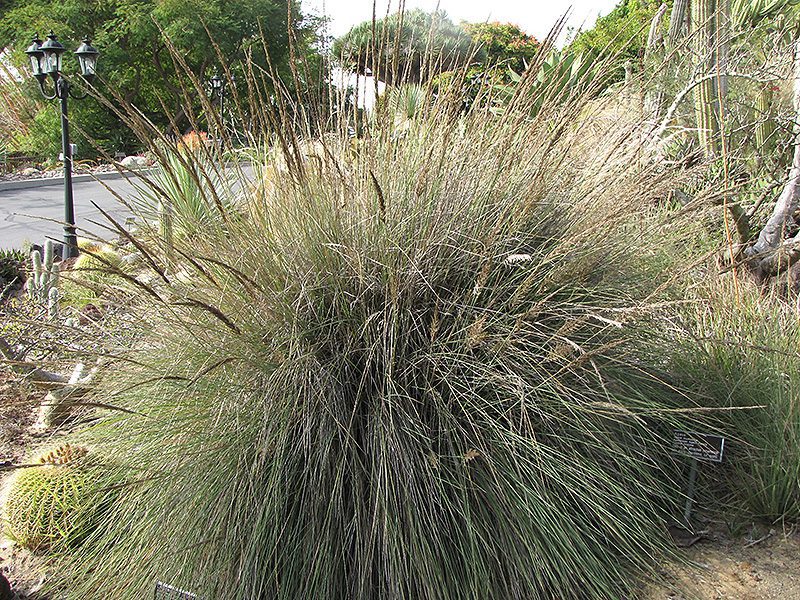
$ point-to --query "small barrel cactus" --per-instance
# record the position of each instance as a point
(53, 505)
(91, 276)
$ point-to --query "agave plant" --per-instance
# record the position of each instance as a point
(562, 76)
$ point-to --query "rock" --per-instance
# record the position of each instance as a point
(89, 314)
(134, 162)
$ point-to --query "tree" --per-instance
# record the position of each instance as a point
(622, 33)
(135, 36)
(504, 44)
(411, 46)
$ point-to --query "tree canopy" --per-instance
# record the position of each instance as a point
(504, 43)
(134, 38)
(413, 46)
(622, 32)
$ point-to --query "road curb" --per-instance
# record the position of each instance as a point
(26, 184)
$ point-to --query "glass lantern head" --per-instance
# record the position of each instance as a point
(87, 57)
(36, 55)
(52, 50)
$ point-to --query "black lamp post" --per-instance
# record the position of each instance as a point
(218, 89)
(218, 85)
(46, 60)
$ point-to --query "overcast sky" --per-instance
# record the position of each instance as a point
(533, 16)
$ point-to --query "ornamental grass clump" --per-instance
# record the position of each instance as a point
(422, 366)
(741, 355)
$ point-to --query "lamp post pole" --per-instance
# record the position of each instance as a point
(70, 235)
(218, 85)
(46, 60)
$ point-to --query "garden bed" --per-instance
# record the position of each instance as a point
(35, 173)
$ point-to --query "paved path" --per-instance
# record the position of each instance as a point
(36, 214)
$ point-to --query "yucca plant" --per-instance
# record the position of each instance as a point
(423, 367)
(189, 195)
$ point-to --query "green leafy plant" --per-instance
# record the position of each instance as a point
(562, 76)
(505, 44)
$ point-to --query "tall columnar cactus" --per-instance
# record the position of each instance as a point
(677, 24)
(765, 128)
(706, 92)
(709, 19)
(654, 54)
(43, 282)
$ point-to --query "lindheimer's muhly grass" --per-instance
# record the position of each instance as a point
(413, 364)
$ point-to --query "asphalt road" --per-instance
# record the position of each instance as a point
(36, 214)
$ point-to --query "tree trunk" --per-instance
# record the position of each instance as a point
(765, 252)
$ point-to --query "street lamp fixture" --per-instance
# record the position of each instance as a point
(45, 59)
(218, 86)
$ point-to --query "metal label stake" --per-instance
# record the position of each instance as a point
(699, 447)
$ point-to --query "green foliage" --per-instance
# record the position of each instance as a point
(621, 33)
(135, 57)
(44, 134)
(410, 47)
(742, 352)
(505, 44)
(54, 506)
(563, 76)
